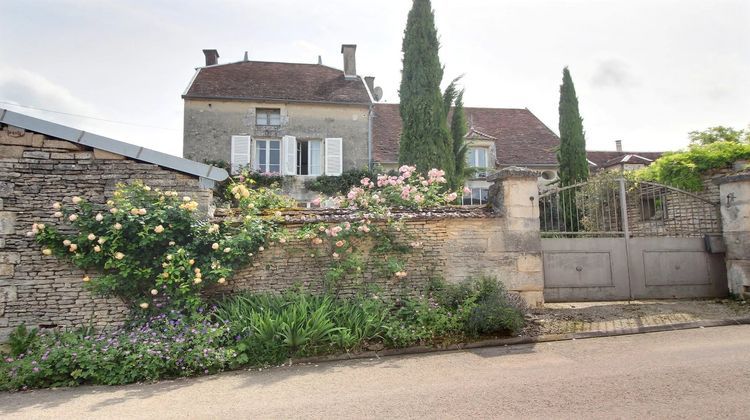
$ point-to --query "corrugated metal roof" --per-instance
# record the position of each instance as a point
(59, 131)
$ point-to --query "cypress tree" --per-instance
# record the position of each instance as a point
(425, 140)
(460, 148)
(571, 155)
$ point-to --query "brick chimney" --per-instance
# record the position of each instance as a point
(618, 145)
(350, 66)
(212, 57)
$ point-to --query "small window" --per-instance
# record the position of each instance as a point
(268, 156)
(653, 208)
(476, 157)
(309, 157)
(268, 116)
(476, 197)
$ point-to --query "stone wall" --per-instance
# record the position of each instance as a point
(454, 247)
(35, 172)
(735, 214)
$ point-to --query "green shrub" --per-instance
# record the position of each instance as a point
(336, 185)
(684, 169)
(21, 340)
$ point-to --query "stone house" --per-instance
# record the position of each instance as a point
(42, 163)
(295, 119)
(304, 120)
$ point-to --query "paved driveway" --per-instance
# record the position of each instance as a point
(692, 373)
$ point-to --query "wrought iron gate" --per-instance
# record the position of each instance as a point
(613, 239)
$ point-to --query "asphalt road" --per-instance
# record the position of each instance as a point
(703, 373)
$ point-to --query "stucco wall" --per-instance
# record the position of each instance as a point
(35, 172)
(209, 126)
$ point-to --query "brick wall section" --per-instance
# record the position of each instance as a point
(35, 172)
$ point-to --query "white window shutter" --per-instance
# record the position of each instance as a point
(290, 155)
(240, 152)
(334, 156)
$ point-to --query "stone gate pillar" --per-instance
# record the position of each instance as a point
(514, 195)
(735, 217)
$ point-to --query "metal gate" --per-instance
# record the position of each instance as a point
(618, 239)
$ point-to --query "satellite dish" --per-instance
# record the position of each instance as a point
(377, 93)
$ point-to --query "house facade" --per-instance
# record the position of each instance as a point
(295, 119)
(619, 160)
(306, 120)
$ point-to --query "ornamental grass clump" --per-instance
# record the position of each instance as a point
(149, 248)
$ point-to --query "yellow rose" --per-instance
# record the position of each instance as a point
(144, 305)
(56, 206)
(47, 251)
(77, 200)
(118, 226)
(222, 280)
(97, 249)
(91, 237)
(86, 278)
(214, 246)
(154, 292)
(159, 229)
(197, 280)
(227, 250)
(67, 242)
(119, 255)
(73, 217)
(134, 211)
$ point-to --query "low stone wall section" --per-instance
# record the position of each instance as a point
(35, 172)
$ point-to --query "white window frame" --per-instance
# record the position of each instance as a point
(267, 152)
(267, 113)
(483, 197)
(310, 154)
(472, 159)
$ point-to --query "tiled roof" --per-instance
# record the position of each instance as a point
(605, 159)
(277, 81)
(520, 137)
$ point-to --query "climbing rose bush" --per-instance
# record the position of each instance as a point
(148, 247)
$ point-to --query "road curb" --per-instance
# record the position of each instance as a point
(511, 341)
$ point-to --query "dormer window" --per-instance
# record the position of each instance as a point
(268, 116)
(476, 158)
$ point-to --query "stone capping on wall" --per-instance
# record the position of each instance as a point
(736, 177)
(298, 216)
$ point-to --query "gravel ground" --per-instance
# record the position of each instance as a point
(561, 318)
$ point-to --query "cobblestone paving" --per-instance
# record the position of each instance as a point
(563, 318)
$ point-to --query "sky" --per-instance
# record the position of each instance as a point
(646, 72)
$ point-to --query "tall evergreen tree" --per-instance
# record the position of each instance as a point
(425, 140)
(571, 155)
(454, 98)
(460, 148)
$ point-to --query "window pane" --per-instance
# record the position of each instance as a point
(274, 156)
(484, 195)
(261, 117)
(482, 158)
(260, 155)
(315, 158)
(274, 118)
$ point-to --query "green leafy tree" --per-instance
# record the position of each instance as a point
(719, 133)
(425, 139)
(571, 154)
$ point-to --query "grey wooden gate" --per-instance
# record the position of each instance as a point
(618, 239)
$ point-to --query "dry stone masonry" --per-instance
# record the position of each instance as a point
(35, 172)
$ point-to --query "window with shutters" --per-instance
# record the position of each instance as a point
(334, 156)
(268, 116)
(267, 156)
(309, 157)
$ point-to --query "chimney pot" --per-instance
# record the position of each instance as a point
(618, 145)
(212, 57)
(350, 66)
